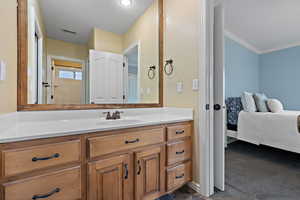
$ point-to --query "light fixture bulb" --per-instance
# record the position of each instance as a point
(126, 3)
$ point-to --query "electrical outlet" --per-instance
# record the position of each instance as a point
(148, 91)
(179, 87)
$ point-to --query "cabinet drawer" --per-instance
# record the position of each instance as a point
(179, 151)
(179, 131)
(107, 144)
(22, 160)
(63, 184)
(179, 175)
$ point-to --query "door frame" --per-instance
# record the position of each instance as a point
(40, 54)
(134, 44)
(206, 66)
(50, 75)
(39, 51)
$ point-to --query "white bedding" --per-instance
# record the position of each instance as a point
(279, 130)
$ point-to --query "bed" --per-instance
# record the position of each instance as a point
(279, 130)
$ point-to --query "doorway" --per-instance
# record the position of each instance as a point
(67, 81)
(132, 73)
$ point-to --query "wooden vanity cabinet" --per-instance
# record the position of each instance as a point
(110, 179)
(179, 155)
(130, 164)
(149, 173)
(62, 184)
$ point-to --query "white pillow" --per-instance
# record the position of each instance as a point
(248, 102)
(275, 105)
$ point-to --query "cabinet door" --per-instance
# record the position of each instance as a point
(150, 174)
(111, 179)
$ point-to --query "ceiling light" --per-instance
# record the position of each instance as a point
(126, 3)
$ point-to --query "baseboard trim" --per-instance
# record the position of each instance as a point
(195, 186)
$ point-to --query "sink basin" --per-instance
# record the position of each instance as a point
(118, 122)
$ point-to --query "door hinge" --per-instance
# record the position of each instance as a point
(207, 107)
(123, 64)
(124, 96)
(52, 68)
(52, 97)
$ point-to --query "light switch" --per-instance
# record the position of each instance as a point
(142, 91)
(148, 91)
(2, 70)
(195, 84)
(179, 87)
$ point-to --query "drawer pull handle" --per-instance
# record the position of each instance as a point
(179, 132)
(126, 171)
(179, 152)
(139, 168)
(132, 141)
(178, 177)
(34, 159)
(56, 190)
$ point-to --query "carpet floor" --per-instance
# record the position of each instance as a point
(260, 173)
(256, 173)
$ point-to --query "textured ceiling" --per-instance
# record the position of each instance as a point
(264, 24)
(81, 16)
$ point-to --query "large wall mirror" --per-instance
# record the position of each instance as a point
(76, 54)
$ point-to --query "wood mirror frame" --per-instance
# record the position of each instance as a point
(22, 70)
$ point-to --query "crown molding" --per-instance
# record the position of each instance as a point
(281, 48)
(245, 44)
(241, 42)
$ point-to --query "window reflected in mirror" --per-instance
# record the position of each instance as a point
(93, 52)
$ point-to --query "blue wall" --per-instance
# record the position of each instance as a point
(241, 69)
(277, 74)
(280, 76)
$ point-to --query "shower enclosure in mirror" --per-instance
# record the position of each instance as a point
(89, 53)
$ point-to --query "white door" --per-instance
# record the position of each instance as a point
(219, 99)
(125, 79)
(106, 77)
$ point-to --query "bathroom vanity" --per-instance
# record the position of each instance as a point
(124, 160)
(62, 151)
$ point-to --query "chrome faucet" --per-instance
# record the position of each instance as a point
(115, 115)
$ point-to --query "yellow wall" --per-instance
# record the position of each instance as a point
(65, 49)
(107, 41)
(145, 30)
(181, 44)
(91, 41)
(8, 53)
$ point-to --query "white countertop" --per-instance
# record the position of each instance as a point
(22, 126)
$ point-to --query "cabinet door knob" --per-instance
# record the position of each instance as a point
(181, 176)
(179, 132)
(126, 171)
(179, 152)
(139, 167)
(44, 196)
(132, 141)
(35, 159)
